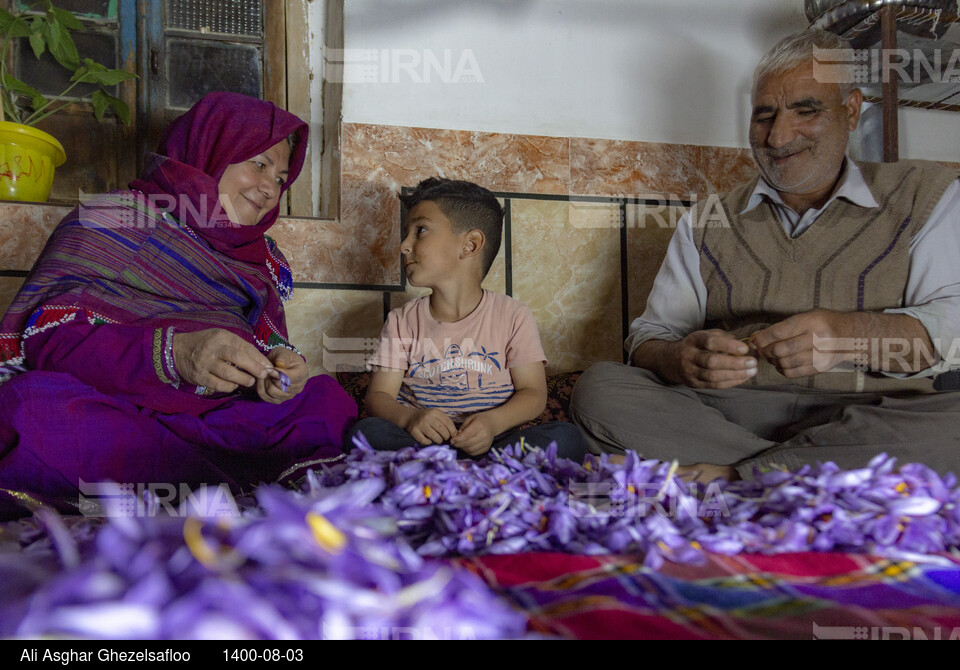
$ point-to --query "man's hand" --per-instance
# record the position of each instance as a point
(895, 342)
(475, 435)
(704, 359)
(430, 426)
(789, 344)
(290, 364)
(218, 359)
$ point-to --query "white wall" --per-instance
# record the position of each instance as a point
(652, 70)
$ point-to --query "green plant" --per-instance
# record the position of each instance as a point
(48, 29)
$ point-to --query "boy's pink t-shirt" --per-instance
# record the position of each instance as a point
(462, 367)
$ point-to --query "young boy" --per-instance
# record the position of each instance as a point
(462, 366)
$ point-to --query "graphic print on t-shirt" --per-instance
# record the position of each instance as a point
(464, 381)
(455, 375)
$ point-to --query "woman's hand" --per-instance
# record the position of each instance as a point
(218, 360)
(287, 378)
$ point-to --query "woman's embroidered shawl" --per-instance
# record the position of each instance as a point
(164, 254)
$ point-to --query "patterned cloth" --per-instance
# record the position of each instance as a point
(748, 596)
(559, 390)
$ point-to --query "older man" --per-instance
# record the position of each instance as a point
(810, 326)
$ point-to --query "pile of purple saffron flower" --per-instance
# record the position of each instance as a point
(523, 499)
(327, 566)
(348, 555)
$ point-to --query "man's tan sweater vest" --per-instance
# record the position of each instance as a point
(851, 259)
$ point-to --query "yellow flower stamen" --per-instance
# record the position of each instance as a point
(197, 544)
(328, 536)
(426, 492)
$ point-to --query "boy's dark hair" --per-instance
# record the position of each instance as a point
(467, 205)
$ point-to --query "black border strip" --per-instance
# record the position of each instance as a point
(508, 247)
(624, 280)
(403, 234)
(348, 287)
(596, 198)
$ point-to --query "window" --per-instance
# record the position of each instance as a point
(181, 50)
(191, 47)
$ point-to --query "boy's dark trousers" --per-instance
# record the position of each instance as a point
(384, 435)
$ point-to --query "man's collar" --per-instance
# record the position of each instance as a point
(853, 188)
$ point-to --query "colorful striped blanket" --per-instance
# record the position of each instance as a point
(801, 596)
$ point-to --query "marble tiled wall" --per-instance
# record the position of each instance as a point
(566, 201)
(24, 229)
(566, 262)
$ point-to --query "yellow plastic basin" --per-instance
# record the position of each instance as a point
(28, 158)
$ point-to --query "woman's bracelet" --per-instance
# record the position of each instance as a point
(163, 361)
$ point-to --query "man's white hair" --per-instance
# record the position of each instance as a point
(798, 48)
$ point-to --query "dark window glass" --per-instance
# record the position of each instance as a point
(223, 17)
(196, 68)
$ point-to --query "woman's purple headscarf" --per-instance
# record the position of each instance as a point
(220, 130)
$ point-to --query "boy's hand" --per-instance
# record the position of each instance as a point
(475, 435)
(431, 426)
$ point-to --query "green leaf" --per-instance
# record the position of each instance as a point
(6, 18)
(62, 47)
(101, 100)
(38, 44)
(100, 103)
(51, 34)
(82, 73)
(15, 26)
(12, 83)
(109, 77)
(67, 18)
(93, 73)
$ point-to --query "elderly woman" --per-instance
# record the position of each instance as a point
(148, 344)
